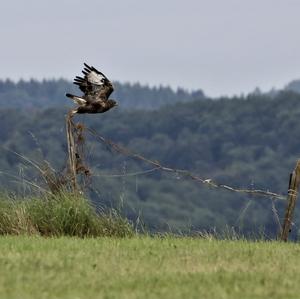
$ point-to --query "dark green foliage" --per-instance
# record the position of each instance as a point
(247, 142)
(35, 95)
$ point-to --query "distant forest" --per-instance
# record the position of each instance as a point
(51, 93)
(251, 142)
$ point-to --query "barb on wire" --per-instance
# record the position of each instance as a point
(158, 166)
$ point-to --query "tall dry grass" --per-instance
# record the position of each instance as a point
(62, 214)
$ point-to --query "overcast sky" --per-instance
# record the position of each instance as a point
(221, 46)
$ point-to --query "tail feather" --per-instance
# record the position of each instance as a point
(77, 100)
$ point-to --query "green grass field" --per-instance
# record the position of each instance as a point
(37, 267)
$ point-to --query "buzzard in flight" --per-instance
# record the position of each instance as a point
(96, 88)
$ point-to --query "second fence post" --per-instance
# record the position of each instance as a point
(291, 202)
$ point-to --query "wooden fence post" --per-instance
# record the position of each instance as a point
(71, 152)
(291, 202)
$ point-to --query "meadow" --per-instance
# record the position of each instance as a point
(147, 267)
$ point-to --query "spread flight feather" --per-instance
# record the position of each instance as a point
(96, 88)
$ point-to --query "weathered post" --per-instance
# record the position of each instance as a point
(291, 202)
(71, 153)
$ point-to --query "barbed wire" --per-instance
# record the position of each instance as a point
(158, 166)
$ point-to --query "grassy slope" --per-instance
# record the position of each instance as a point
(35, 267)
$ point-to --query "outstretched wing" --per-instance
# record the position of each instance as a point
(94, 84)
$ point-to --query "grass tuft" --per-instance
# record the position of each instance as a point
(63, 214)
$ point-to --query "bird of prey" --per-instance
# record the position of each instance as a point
(96, 88)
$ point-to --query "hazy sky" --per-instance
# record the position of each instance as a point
(220, 46)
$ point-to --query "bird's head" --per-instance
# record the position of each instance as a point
(112, 103)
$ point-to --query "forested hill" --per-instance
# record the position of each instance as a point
(51, 93)
(250, 142)
(293, 86)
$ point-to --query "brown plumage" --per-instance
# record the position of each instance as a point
(96, 88)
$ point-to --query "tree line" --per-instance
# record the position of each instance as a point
(35, 94)
(247, 142)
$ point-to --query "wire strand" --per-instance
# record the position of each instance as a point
(126, 174)
(209, 182)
